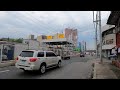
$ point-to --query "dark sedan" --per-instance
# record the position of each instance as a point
(82, 55)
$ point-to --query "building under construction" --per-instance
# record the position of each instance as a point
(61, 47)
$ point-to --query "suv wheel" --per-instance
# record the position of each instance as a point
(42, 69)
(59, 64)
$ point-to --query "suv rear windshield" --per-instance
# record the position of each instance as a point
(26, 54)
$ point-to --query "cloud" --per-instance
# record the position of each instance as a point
(22, 23)
(3, 14)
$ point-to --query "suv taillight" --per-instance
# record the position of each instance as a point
(33, 59)
(17, 59)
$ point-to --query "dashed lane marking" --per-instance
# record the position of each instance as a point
(4, 71)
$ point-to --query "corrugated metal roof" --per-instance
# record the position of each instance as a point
(107, 27)
(113, 18)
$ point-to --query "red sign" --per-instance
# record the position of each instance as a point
(118, 40)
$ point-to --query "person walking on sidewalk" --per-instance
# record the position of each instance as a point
(114, 53)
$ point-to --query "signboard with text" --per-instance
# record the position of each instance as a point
(61, 36)
(49, 37)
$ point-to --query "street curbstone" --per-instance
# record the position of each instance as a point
(8, 63)
(94, 71)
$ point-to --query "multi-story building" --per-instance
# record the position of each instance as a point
(40, 38)
(71, 34)
(31, 37)
(114, 19)
(108, 40)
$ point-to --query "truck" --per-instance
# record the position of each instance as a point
(65, 54)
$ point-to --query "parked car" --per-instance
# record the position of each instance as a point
(82, 55)
(30, 60)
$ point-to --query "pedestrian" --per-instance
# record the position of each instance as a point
(114, 52)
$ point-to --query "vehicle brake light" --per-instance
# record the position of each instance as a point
(33, 59)
(17, 59)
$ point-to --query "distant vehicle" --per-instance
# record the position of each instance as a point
(82, 55)
(30, 60)
(65, 54)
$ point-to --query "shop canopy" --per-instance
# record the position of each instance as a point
(105, 47)
(57, 42)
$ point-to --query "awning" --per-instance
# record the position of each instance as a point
(62, 41)
(105, 47)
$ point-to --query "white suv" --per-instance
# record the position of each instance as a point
(30, 60)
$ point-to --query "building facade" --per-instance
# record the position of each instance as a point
(108, 40)
(32, 44)
(72, 35)
(31, 37)
(114, 19)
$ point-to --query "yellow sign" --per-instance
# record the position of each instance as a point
(49, 37)
(61, 36)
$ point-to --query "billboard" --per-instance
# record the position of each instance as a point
(49, 37)
(61, 36)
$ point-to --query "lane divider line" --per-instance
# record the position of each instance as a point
(4, 71)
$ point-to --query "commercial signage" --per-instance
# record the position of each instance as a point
(49, 37)
(61, 36)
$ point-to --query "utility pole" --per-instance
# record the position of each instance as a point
(96, 34)
(80, 46)
(1, 52)
(100, 37)
(85, 46)
(96, 22)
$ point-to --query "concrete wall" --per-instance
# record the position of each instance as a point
(55, 36)
(19, 48)
(33, 44)
(39, 38)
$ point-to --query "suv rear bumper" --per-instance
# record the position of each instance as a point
(30, 67)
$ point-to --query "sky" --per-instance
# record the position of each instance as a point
(20, 24)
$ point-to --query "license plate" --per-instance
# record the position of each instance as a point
(23, 61)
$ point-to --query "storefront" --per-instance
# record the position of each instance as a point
(118, 44)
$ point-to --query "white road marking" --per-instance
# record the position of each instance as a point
(4, 71)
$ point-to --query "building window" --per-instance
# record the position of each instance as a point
(109, 41)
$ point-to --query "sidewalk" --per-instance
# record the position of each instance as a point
(7, 63)
(103, 71)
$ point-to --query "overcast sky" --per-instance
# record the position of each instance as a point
(19, 24)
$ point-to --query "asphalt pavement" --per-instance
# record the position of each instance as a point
(75, 68)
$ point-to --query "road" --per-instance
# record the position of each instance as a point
(75, 68)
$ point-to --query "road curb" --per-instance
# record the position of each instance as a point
(94, 71)
(7, 63)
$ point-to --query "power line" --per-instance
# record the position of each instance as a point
(38, 20)
(25, 21)
(34, 22)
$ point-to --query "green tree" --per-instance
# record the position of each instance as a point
(18, 40)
